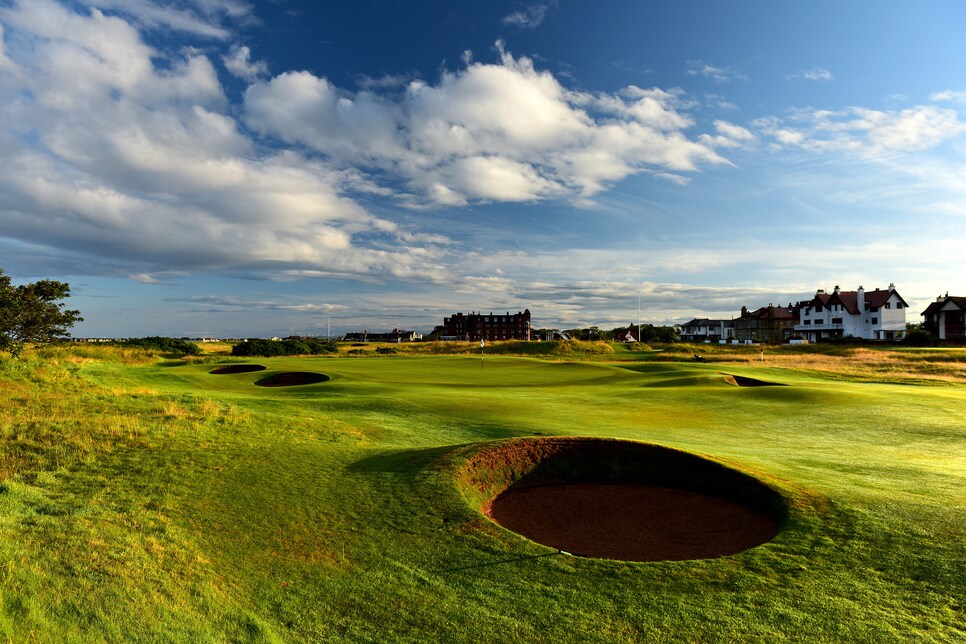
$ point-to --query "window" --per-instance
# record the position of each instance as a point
(898, 305)
(888, 305)
(808, 322)
(875, 320)
(873, 309)
(836, 320)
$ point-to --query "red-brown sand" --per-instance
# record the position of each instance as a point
(631, 522)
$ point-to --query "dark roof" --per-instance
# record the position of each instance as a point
(774, 313)
(941, 302)
(704, 322)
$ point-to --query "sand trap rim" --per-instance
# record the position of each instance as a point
(238, 367)
(493, 468)
(292, 379)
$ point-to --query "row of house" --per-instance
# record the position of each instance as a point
(872, 315)
(396, 335)
(878, 314)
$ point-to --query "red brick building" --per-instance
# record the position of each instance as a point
(477, 326)
(767, 324)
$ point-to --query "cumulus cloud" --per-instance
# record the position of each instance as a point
(110, 147)
(238, 62)
(501, 131)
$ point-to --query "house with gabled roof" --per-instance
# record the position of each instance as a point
(767, 324)
(946, 317)
(707, 330)
(870, 315)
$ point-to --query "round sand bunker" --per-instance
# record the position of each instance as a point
(623, 500)
(292, 379)
(632, 522)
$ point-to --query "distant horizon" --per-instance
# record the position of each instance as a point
(916, 319)
(229, 168)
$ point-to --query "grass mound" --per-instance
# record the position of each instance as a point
(237, 368)
(292, 379)
(621, 499)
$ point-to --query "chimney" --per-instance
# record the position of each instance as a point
(860, 299)
(892, 286)
(837, 289)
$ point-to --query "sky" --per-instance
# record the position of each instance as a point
(228, 168)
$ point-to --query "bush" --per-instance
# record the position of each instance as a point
(386, 351)
(177, 346)
(274, 348)
(920, 338)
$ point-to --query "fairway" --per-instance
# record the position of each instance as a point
(153, 498)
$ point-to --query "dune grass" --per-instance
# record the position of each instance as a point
(143, 498)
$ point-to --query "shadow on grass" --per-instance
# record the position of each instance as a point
(171, 362)
(402, 462)
(500, 562)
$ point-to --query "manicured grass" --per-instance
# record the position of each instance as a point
(145, 498)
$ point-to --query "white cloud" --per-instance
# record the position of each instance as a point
(729, 135)
(864, 130)
(814, 74)
(528, 18)
(719, 75)
(501, 131)
(109, 149)
(238, 62)
(199, 17)
(5, 63)
(234, 302)
(948, 96)
(144, 278)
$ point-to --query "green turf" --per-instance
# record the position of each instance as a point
(153, 500)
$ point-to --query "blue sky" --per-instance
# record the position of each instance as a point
(235, 168)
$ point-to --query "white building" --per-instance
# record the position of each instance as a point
(871, 315)
(706, 330)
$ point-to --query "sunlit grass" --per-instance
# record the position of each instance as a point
(143, 498)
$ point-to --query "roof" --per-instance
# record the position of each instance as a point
(774, 313)
(706, 322)
(941, 303)
(849, 299)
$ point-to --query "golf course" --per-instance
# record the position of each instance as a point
(357, 497)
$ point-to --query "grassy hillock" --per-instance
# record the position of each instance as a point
(143, 497)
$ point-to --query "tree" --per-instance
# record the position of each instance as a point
(33, 313)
